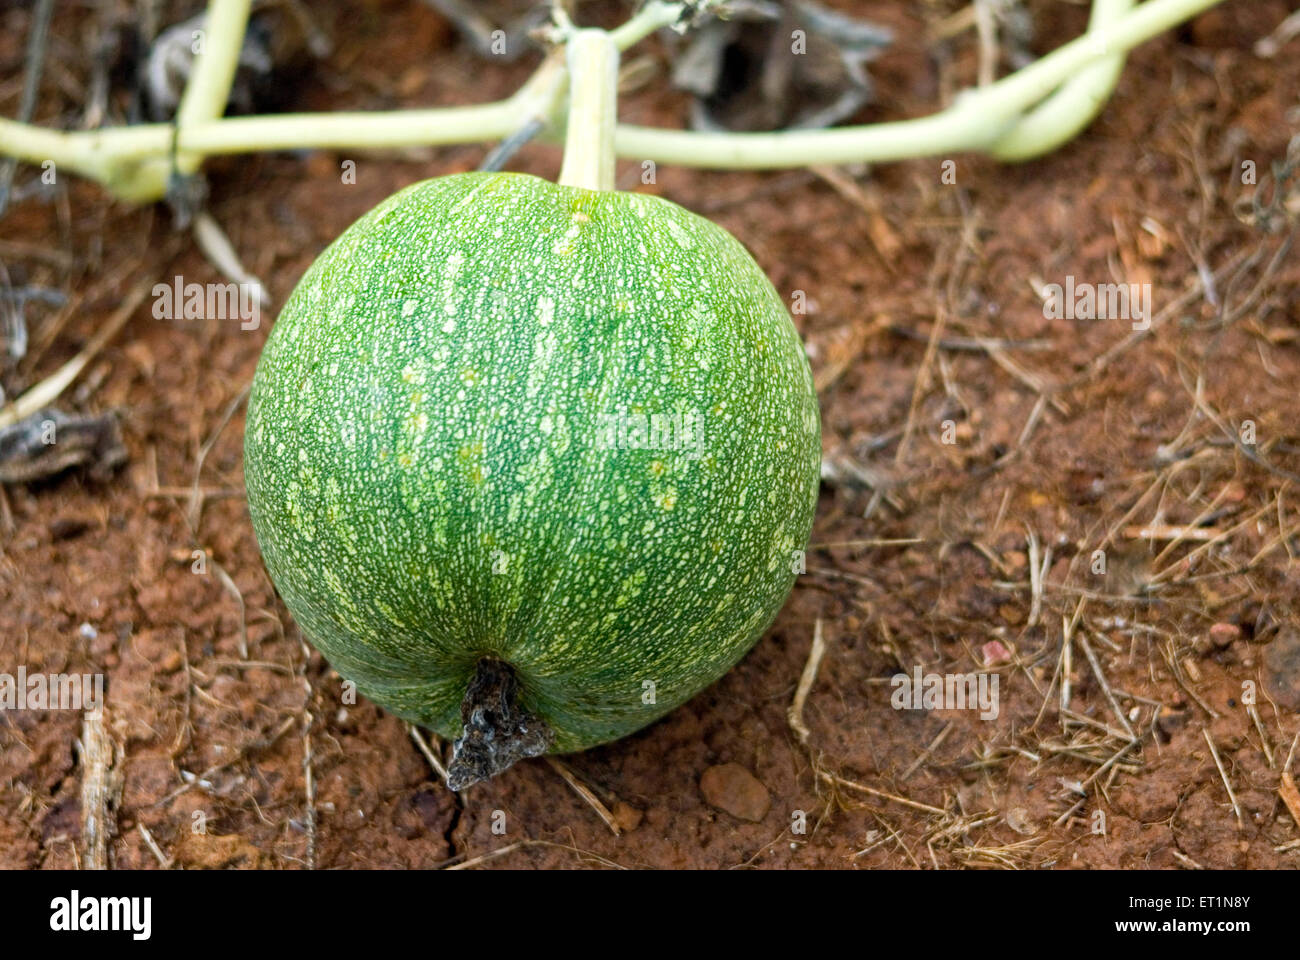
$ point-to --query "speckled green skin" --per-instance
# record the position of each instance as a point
(424, 471)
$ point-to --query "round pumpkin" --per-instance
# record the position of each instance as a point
(532, 464)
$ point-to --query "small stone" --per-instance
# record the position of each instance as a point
(733, 789)
(626, 816)
(995, 653)
(1224, 634)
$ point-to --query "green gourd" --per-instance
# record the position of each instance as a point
(532, 464)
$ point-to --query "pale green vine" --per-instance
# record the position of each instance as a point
(1030, 112)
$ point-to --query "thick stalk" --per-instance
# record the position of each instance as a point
(497, 732)
(593, 109)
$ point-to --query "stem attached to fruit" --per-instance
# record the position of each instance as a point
(593, 111)
(497, 731)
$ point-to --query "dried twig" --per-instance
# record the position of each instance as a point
(809, 677)
(871, 791)
(164, 861)
(1105, 685)
(582, 790)
(427, 751)
(1214, 752)
(1290, 796)
(48, 390)
(925, 754)
(101, 788)
(523, 844)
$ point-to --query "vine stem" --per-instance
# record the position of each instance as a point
(203, 100)
(1065, 114)
(977, 121)
(991, 119)
(208, 89)
(593, 109)
(655, 16)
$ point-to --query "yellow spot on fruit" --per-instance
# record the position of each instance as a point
(667, 499)
(417, 423)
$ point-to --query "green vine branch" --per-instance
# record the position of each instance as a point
(1067, 112)
(978, 121)
(1023, 115)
